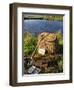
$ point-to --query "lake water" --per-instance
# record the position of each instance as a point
(38, 26)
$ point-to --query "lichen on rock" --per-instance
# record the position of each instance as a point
(47, 41)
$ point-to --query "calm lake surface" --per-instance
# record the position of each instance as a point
(38, 26)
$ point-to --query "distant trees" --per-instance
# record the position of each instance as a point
(46, 17)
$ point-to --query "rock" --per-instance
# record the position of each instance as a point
(36, 71)
(31, 69)
(47, 42)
